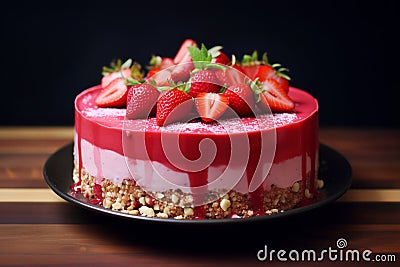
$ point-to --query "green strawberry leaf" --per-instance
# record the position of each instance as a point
(201, 57)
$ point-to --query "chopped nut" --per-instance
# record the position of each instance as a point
(179, 217)
(320, 183)
(142, 201)
(162, 215)
(117, 206)
(225, 204)
(146, 211)
(159, 195)
(174, 198)
(166, 210)
(188, 212)
(295, 187)
(307, 193)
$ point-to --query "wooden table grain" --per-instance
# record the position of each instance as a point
(37, 228)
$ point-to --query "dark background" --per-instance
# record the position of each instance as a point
(342, 52)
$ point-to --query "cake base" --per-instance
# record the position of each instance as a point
(129, 198)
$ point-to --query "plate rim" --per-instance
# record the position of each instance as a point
(66, 151)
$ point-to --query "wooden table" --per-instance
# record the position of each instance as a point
(37, 228)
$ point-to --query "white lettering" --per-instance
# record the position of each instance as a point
(365, 255)
(296, 258)
(281, 254)
(262, 252)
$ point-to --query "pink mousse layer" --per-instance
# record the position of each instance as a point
(108, 146)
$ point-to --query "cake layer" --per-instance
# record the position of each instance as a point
(248, 155)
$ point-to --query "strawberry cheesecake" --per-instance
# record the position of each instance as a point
(198, 136)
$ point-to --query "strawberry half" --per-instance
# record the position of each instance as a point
(241, 99)
(183, 54)
(173, 105)
(118, 69)
(265, 72)
(106, 80)
(275, 97)
(211, 106)
(141, 101)
(113, 95)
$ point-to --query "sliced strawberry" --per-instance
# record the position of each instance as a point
(283, 82)
(166, 62)
(274, 97)
(152, 72)
(204, 81)
(183, 52)
(250, 71)
(157, 64)
(173, 105)
(113, 95)
(126, 73)
(265, 72)
(211, 106)
(141, 101)
(241, 99)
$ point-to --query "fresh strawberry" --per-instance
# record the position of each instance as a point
(265, 72)
(231, 75)
(126, 73)
(152, 72)
(250, 71)
(274, 97)
(262, 69)
(183, 53)
(211, 106)
(113, 95)
(117, 69)
(141, 101)
(173, 105)
(241, 99)
(181, 72)
(221, 58)
(204, 81)
(283, 82)
(157, 64)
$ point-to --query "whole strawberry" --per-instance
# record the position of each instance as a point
(204, 81)
(173, 105)
(141, 101)
(203, 78)
(241, 99)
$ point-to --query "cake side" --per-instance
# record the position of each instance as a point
(284, 188)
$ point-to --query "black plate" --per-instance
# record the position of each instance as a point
(334, 170)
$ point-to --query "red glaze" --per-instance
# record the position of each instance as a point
(297, 138)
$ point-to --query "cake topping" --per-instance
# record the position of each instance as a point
(141, 101)
(241, 99)
(114, 94)
(249, 86)
(273, 96)
(173, 105)
(211, 106)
